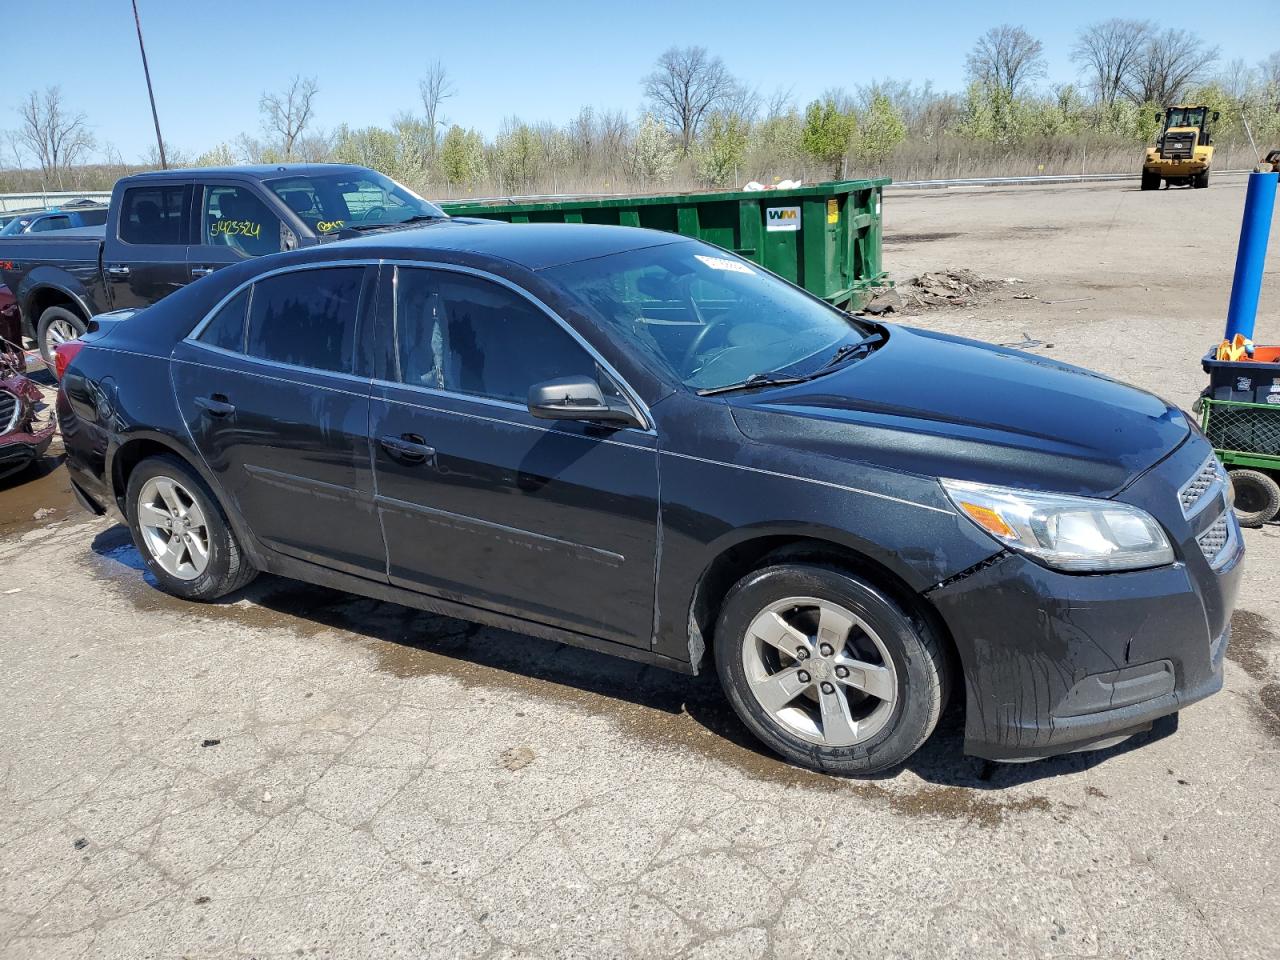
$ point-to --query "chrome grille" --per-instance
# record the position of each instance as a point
(9, 407)
(1217, 542)
(1195, 494)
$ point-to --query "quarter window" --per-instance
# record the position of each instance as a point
(306, 318)
(154, 215)
(235, 217)
(467, 335)
(226, 329)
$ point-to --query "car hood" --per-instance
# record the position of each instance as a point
(942, 406)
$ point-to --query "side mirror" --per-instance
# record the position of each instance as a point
(577, 398)
(1215, 116)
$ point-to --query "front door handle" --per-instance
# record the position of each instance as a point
(118, 270)
(216, 405)
(407, 448)
(199, 272)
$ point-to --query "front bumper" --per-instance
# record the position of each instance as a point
(18, 450)
(1056, 662)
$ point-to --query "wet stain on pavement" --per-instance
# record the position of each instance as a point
(918, 237)
(1251, 640)
(36, 497)
(650, 703)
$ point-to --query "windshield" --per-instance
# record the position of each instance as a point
(328, 202)
(711, 318)
(1186, 116)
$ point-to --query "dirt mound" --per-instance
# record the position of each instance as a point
(928, 291)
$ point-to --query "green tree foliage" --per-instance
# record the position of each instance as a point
(461, 161)
(880, 130)
(722, 152)
(517, 158)
(827, 134)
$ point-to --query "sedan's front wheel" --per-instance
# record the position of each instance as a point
(182, 533)
(827, 670)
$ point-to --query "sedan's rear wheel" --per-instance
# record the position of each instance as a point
(828, 670)
(182, 533)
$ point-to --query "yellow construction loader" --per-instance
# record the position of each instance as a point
(1183, 153)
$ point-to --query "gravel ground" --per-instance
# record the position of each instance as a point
(297, 772)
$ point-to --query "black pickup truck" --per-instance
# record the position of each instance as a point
(167, 228)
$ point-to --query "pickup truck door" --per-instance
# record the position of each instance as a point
(144, 255)
(233, 222)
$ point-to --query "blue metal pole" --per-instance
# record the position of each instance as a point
(1259, 203)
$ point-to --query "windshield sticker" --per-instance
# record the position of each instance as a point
(328, 226)
(237, 228)
(720, 263)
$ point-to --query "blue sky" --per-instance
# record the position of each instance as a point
(210, 61)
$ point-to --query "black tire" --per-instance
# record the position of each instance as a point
(228, 568)
(51, 316)
(1150, 181)
(1257, 497)
(916, 651)
(1200, 180)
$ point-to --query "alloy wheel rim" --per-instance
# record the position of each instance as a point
(59, 332)
(820, 671)
(173, 528)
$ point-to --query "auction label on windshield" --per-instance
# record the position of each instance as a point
(782, 219)
(721, 263)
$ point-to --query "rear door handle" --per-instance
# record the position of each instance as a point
(216, 405)
(407, 448)
(118, 270)
(199, 272)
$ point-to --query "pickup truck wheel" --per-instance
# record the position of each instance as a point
(182, 533)
(57, 325)
(827, 670)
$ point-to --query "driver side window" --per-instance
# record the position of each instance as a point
(236, 217)
(468, 335)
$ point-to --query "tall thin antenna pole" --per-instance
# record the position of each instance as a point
(155, 117)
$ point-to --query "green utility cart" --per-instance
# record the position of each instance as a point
(1240, 414)
(825, 238)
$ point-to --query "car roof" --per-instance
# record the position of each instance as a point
(534, 246)
(260, 171)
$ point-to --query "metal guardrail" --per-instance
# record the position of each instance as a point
(1029, 181)
(43, 199)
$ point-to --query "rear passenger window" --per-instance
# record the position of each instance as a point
(226, 329)
(51, 223)
(154, 215)
(306, 318)
(467, 335)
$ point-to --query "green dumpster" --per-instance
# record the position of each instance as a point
(826, 237)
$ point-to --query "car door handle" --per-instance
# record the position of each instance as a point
(199, 272)
(216, 405)
(407, 448)
(118, 270)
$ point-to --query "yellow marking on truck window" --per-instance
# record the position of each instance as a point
(328, 226)
(237, 228)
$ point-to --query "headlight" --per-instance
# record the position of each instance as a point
(1078, 534)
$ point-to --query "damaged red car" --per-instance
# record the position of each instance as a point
(22, 439)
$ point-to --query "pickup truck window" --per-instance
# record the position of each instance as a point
(50, 223)
(154, 215)
(235, 217)
(328, 202)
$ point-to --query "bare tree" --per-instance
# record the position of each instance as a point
(1171, 62)
(435, 88)
(1006, 57)
(686, 85)
(1270, 70)
(1108, 52)
(288, 113)
(58, 138)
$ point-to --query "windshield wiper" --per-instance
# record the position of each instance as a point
(848, 350)
(755, 380)
(416, 218)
